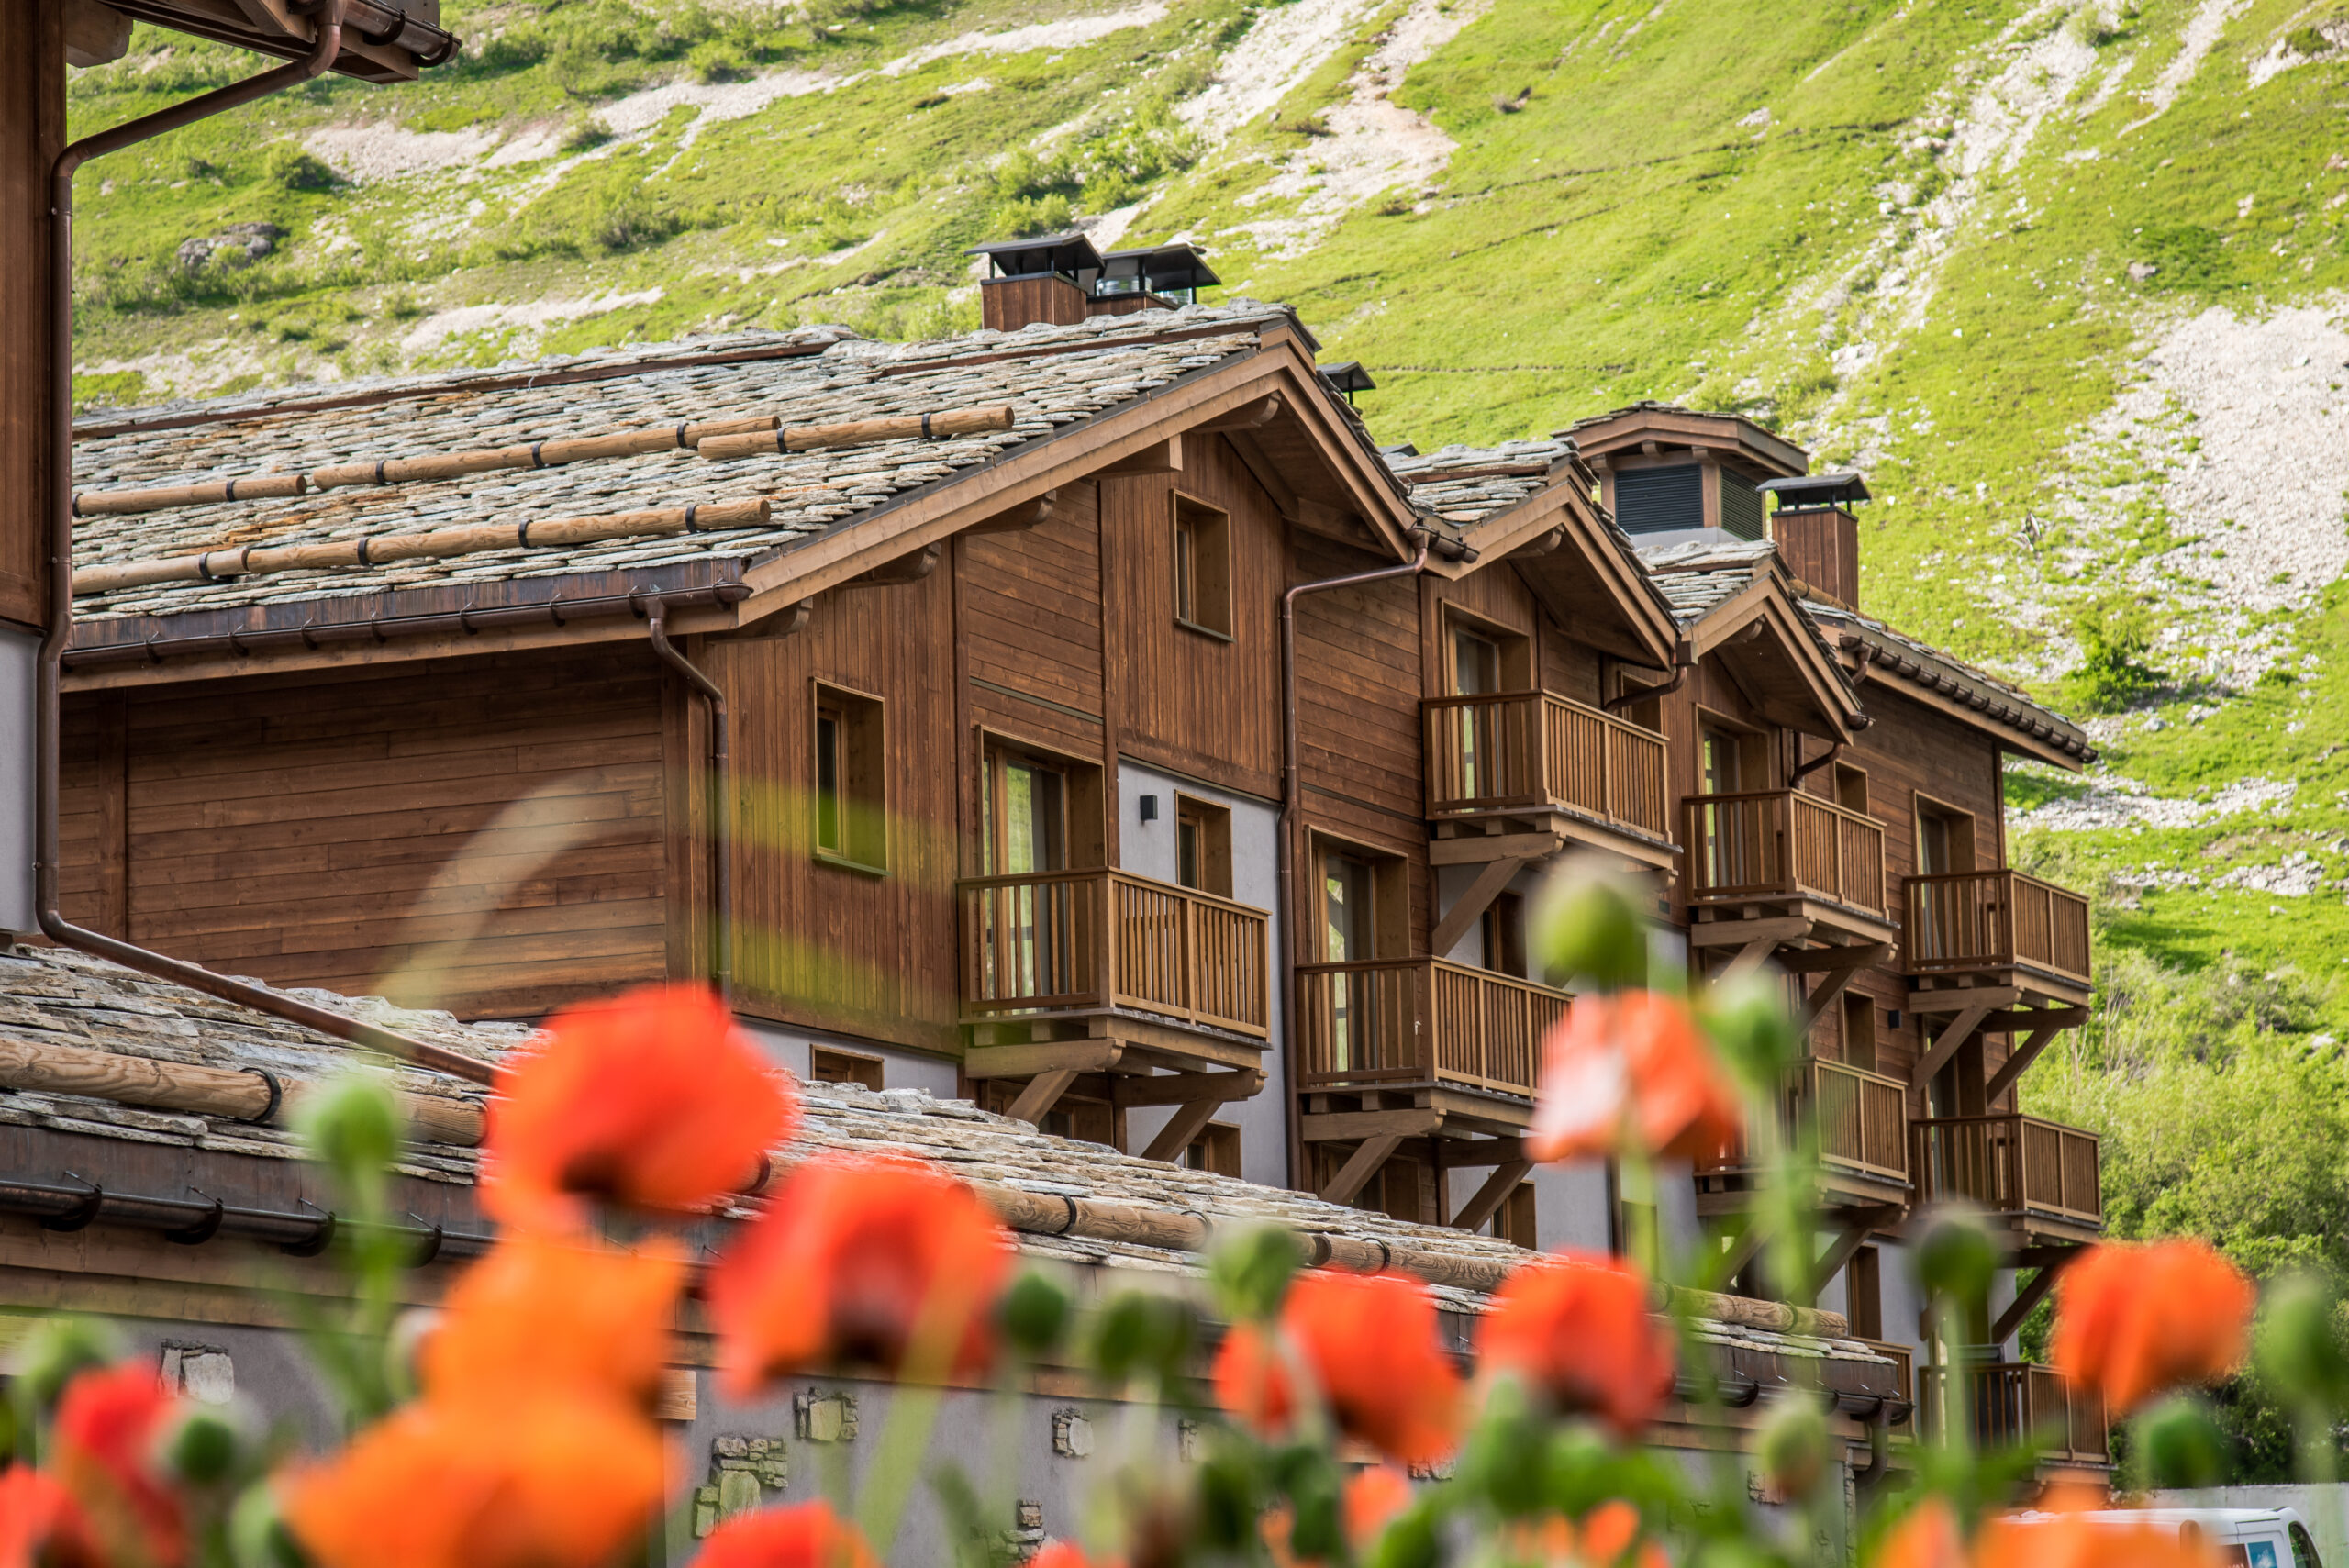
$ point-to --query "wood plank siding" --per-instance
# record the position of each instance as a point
(484, 836)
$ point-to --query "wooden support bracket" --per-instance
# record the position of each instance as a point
(2032, 1295)
(1466, 1153)
(1159, 457)
(1247, 417)
(1478, 849)
(1045, 1056)
(1859, 1224)
(1489, 1197)
(2024, 1056)
(1745, 933)
(1187, 1122)
(1479, 897)
(1356, 1172)
(1038, 1097)
(1019, 519)
(1744, 1241)
(1836, 976)
(1210, 1089)
(905, 569)
(1959, 1030)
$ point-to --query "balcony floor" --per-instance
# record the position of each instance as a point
(1472, 838)
(1410, 1110)
(1733, 1190)
(1786, 921)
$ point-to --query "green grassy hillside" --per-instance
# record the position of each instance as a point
(2067, 279)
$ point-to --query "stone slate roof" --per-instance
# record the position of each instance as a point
(59, 996)
(1465, 485)
(1052, 376)
(1898, 654)
(1698, 578)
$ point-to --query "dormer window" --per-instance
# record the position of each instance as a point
(1661, 500)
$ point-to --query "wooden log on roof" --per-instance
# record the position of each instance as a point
(706, 517)
(250, 487)
(938, 426)
(550, 453)
(192, 1089)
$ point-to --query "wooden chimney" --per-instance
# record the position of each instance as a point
(1817, 537)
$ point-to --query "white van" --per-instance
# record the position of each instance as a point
(2246, 1538)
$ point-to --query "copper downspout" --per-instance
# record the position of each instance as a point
(1292, 789)
(48, 717)
(1684, 659)
(721, 773)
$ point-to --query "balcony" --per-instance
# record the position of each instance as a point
(1515, 763)
(1780, 870)
(2042, 1177)
(1862, 1120)
(1901, 1357)
(1999, 927)
(2008, 1402)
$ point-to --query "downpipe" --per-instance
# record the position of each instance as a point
(59, 630)
(721, 789)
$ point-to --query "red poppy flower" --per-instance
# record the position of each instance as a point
(547, 1481)
(2134, 1320)
(108, 1424)
(1374, 1495)
(1631, 1072)
(1926, 1537)
(1370, 1341)
(885, 1261)
(807, 1535)
(1580, 1327)
(653, 1100)
(2081, 1540)
(1064, 1555)
(41, 1525)
(542, 1313)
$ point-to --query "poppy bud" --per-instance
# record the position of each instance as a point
(1249, 1271)
(2181, 1444)
(1589, 926)
(2298, 1347)
(207, 1447)
(1144, 1333)
(1749, 1028)
(1035, 1314)
(57, 1351)
(1795, 1444)
(352, 1125)
(1956, 1258)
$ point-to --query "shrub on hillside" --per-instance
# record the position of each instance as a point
(290, 169)
(2115, 638)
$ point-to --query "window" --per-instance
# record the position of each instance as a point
(1514, 1221)
(1851, 788)
(1944, 839)
(1475, 664)
(1859, 1032)
(1504, 923)
(1215, 1149)
(1863, 1294)
(852, 805)
(843, 1067)
(1203, 846)
(1348, 917)
(1202, 567)
(1024, 802)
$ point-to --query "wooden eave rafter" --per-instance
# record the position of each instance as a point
(2012, 737)
(904, 526)
(1826, 707)
(1724, 435)
(1589, 573)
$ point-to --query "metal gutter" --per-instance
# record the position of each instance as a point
(193, 1221)
(721, 788)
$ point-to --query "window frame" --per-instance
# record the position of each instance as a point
(859, 798)
(1200, 550)
(1085, 826)
(1212, 822)
(850, 1067)
(1924, 807)
(1390, 897)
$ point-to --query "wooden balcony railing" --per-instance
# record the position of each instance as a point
(1420, 1020)
(1782, 843)
(2009, 1164)
(1071, 940)
(2007, 1402)
(1524, 750)
(1901, 1357)
(1863, 1119)
(1996, 919)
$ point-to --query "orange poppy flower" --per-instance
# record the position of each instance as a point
(652, 1100)
(1374, 1497)
(805, 1535)
(1578, 1326)
(543, 1313)
(1370, 1343)
(548, 1481)
(1064, 1554)
(2082, 1540)
(108, 1425)
(2134, 1320)
(1926, 1537)
(41, 1525)
(883, 1261)
(1605, 1535)
(1632, 1071)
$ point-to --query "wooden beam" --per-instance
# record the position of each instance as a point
(1958, 998)
(1411, 1121)
(1210, 1089)
(1248, 417)
(1744, 1241)
(1159, 457)
(2008, 1021)
(1357, 1170)
(1832, 985)
(1018, 520)
(1472, 903)
(2032, 1295)
(1750, 958)
(1038, 1096)
(1476, 849)
(1187, 1122)
(1945, 1043)
(2022, 1057)
(1859, 1224)
(1826, 960)
(788, 621)
(1045, 1056)
(1466, 1153)
(911, 568)
(1489, 1197)
(1739, 933)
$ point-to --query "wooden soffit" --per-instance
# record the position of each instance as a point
(1588, 584)
(1760, 640)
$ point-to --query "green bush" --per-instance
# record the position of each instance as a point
(2307, 41)
(290, 169)
(2114, 639)
(586, 131)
